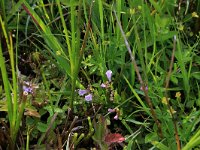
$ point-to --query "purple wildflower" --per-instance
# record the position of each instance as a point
(116, 117)
(116, 111)
(103, 85)
(146, 88)
(27, 89)
(88, 97)
(109, 75)
(111, 110)
(82, 92)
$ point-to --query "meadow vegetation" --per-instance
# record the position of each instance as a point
(97, 74)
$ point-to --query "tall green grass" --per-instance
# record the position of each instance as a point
(15, 109)
(67, 57)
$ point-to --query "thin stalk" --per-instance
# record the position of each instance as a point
(6, 84)
(3, 11)
(166, 86)
(14, 91)
(194, 141)
(139, 47)
(71, 47)
(44, 10)
(145, 36)
(185, 76)
(48, 131)
(85, 36)
(140, 79)
(101, 18)
(7, 87)
(28, 137)
(14, 112)
(119, 7)
(74, 53)
(102, 47)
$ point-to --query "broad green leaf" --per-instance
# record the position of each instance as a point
(196, 75)
(160, 145)
(42, 127)
(151, 137)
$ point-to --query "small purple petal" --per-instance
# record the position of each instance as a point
(27, 89)
(111, 110)
(88, 97)
(24, 88)
(146, 88)
(109, 75)
(116, 117)
(103, 85)
(82, 92)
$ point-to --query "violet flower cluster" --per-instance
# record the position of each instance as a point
(115, 110)
(142, 89)
(28, 88)
(109, 76)
(86, 93)
(107, 85)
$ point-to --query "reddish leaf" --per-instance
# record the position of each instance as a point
(114, 138)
